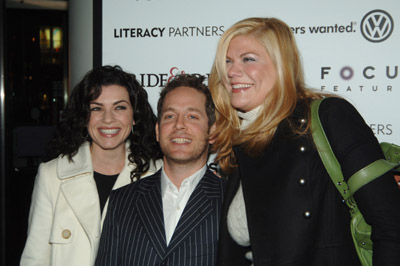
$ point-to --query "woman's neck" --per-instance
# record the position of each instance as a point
(108, 162)
(248, 117)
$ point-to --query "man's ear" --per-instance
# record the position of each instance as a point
(157, 133)
(212, 136)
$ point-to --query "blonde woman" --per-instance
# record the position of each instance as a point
(281, 207)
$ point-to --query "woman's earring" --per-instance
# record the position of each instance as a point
(87, 135)
(133, 124)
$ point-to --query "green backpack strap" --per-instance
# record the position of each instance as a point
(324, 149)
(392, 153)
(360, 178)
(369, 173)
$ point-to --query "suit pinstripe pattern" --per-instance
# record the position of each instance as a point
(134, 232)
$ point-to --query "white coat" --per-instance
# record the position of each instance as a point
(65, 220)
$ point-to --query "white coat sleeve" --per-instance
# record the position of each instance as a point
(37, 249)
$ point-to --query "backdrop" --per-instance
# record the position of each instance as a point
(348, 47)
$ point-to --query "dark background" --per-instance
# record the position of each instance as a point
(35, 79)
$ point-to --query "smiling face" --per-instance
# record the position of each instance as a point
(183, 131)
(111, 119)
(251, 73)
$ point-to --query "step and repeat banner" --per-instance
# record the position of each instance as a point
(351, 48)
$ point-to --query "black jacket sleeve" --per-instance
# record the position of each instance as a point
(355, 146)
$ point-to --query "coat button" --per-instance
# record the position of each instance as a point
(66, 234)
(302, 148)
(307, 214)
(302, 181)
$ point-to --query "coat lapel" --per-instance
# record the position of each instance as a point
(81, 195)
(80, 191)
(197, 209)
(151, 213)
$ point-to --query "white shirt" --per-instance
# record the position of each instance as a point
(237, 219)
(174, 200)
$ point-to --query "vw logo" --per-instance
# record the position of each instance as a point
(377, 25)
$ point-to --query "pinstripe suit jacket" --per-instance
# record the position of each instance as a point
(134, 232)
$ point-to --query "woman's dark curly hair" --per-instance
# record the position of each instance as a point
(72, 130)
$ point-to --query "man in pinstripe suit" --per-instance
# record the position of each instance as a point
(171, 217)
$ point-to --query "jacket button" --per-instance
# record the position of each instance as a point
(302, 148)
(307, 214)
(302, 181)
(66, 234)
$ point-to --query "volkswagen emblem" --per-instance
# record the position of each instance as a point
(377, 25)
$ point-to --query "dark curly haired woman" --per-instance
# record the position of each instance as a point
(106, 139)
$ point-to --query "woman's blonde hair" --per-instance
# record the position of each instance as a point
(279, 42)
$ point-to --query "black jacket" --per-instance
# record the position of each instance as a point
(295, 214)
(134, 231)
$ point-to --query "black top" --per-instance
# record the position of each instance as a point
(104, 185)
(294, 212)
